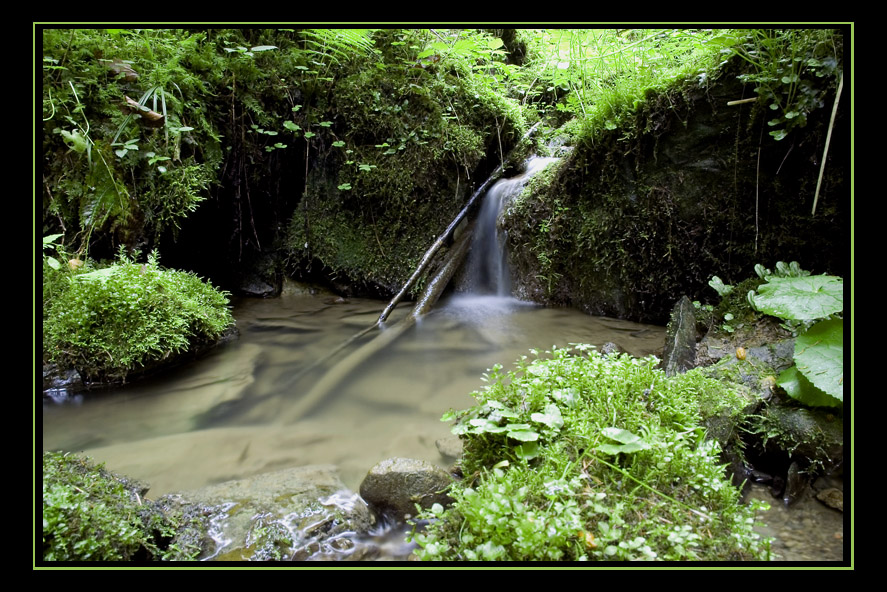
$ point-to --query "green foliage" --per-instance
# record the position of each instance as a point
(818, 375)
(604, 75)
(793, 71)
(402, 137)
(90, 514)
(619, 470)
(106, 155)
(800, 298)
(112, 321)
(49, 243)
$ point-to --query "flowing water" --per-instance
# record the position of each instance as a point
(219, 418)
(488, 271)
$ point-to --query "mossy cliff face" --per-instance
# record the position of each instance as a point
(407, 148)
(637, 216)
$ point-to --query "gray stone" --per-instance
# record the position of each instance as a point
(796, 484)
(680, 339)
(832, 497)
(394, 487)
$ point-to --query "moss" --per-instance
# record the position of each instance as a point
(409, 144)
(129, 317)
(677, 192)
(90, 514)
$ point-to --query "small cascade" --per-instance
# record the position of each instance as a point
(487, 272)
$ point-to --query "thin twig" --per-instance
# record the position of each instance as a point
(828, 139)
(758, 188)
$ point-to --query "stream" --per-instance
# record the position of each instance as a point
(219, 418)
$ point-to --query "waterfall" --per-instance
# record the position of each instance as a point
(488, 273)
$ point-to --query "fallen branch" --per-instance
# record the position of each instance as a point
(445, 237)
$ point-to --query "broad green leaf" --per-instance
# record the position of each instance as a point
(524, 435)
(629, 442)
(99, 274)
(626, 448)
(719, 286)
(522, 432)
(801, 298)
(51, 238)
(74, 140)
(527, 450)
(263, 47)
(800, 389)
(620, 435)
(552, 417)
(819, 355)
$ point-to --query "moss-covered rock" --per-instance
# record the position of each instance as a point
(90, 514)
(686, 188)
(122, 321)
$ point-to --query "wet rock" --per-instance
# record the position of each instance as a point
(59, 384)
(764, 341)
(832, 497)
(680, 339)
(810, 433)
(796, 484)
(257, 288)
(449, 447)
(611, 348)
(294, 513)
(396, 485)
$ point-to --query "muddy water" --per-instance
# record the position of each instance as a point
(229, 415)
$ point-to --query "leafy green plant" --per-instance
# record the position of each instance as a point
(814, 304)
(793, 70)
(619, 470)
(48, 244)
(115, 320)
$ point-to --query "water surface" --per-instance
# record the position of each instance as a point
(230, 414)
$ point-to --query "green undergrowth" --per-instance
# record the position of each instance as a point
(112, 321)
(577, 456)
(403, 141)
(90, 514)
